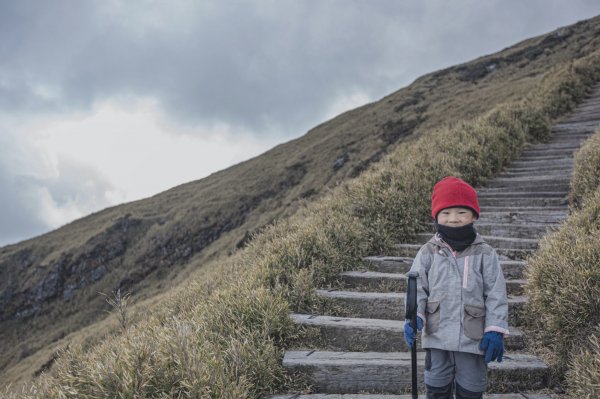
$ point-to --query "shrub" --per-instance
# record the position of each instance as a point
(584, 369)
(586, 175)
(564, 283)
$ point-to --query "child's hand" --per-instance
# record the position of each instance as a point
(493, 345)
(409, 334)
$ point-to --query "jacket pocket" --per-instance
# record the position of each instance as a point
(474, 321)
(433, 317)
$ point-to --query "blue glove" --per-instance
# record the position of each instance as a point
(409, 334)
(493, 345)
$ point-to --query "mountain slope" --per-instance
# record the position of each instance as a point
(49, 284)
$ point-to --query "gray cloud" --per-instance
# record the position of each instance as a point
(31, 204)
(262, 65)
(269, 67)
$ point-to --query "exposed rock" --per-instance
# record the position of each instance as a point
(341, 161)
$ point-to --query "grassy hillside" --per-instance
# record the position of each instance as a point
(150, 245)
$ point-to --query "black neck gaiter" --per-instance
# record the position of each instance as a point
(458, 238)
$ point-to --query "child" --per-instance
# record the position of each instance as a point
(461, 297)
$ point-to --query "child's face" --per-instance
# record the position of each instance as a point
(456, 217)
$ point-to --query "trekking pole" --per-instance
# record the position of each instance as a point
(411, 314)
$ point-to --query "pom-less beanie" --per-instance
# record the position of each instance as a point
(453, 192)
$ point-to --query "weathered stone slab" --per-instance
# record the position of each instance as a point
(396, 282)
(533, 216)
(527, 209)
(515, 287)
(586, 116)
(570, 125)
(374, 280)
(561, 143)
(368, 334)
(488, 201)
(495, 241)
(503, 253)
(390, 372)
(521, 163)
(564, 186)
(520, 172)
(517, 230)
(389, 264)
(510, 182)
(513, 269)
(548, 151)
(390, 305)
(394, 264)
(483, 194)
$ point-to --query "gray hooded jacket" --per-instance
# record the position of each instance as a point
(459, 295)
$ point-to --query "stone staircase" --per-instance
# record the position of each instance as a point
(365, 357)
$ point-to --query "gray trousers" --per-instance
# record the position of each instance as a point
(467, 370)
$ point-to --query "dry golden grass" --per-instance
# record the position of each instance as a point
(564, 284)
(586, 176)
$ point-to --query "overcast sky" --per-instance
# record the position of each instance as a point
(108, 101)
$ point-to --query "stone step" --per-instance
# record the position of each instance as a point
(390, 372)
(546, 186)
(579, 116)
(564, 143)
(571, 131)
(515, 287)
(510, 182)
(583, 114)
(544, 157)
(521, 163)
(503, 253)
(388, 264)
(571, 125)
(397, 264)
(589, 117)
(536, 172)
(546, 152)
(486, 201)
(389, 282)
(521, 217)
(525, 395)
(591, 109)
(495, 241)
(526, 209)
(396, 282)
(390, 305)
(565, 136)
(529, 230)
(377, 335)
(521, 194)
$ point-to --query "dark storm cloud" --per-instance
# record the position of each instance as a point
(261, 64)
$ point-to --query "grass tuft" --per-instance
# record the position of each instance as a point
(564, 285)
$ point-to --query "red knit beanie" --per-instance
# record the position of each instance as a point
(453, 192)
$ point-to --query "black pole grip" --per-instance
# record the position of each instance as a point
(411, 314)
